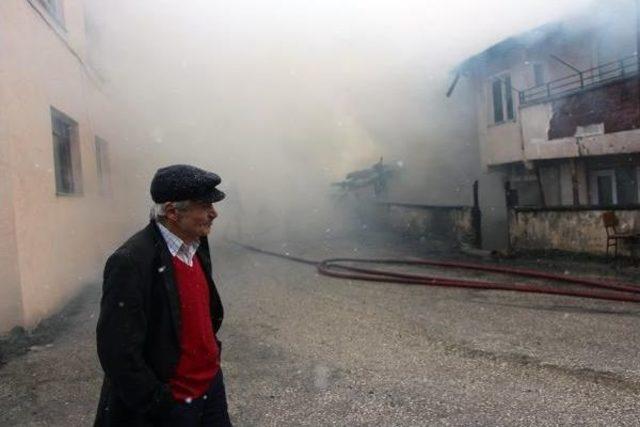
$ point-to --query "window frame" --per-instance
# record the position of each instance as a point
(507, 101)
(543, 71)
(74, 161)
(610, 172)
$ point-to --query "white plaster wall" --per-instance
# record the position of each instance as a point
(10, 292)
(499, 143)
(502, 144)
(61, 240)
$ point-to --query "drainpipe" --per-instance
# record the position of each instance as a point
(543, 199)
(574, 182)
(638, 52)
(476, 217)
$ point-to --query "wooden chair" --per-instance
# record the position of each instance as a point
(610, 221)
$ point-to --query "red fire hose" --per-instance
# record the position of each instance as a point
(337, 267)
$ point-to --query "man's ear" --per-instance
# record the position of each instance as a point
(170, 211)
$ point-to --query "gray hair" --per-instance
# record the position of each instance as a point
(159, 210)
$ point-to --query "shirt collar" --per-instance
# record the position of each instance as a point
(174, 243)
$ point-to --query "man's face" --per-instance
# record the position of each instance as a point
(194, 221)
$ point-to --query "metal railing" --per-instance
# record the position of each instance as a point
(593, 77)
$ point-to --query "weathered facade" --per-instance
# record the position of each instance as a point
(62, 184)
(569, 229)
(558, 116)
(365, 195)
(453, 223)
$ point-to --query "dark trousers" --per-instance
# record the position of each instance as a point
(209, 410)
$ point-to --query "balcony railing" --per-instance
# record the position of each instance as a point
(594, 77)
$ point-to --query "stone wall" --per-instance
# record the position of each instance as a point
(577, 230)
(453, 223)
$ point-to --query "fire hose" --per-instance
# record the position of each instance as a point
(343, 268)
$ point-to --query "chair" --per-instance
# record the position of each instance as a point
(610, 221)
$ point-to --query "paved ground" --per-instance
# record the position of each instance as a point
(301, 349)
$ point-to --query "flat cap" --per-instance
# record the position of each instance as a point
(177, 183)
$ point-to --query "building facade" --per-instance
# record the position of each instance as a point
(558, 117)
(62, 168)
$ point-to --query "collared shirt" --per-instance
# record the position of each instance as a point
(184, 252)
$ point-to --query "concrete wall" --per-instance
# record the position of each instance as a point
(580, 231)
(536, 122)
(626, 142)
(419, 221)
(503, 144)
(54, 244)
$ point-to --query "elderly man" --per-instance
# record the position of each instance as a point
(160, 312)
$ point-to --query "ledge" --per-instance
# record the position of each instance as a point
(421, 206)
(583, 208)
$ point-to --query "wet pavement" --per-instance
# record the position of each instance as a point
(301, 349)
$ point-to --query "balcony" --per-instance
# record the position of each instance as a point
(581, 81)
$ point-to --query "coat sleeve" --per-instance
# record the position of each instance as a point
(121, 334)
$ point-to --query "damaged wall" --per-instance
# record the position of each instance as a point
(451, 223)
(607, 137)
(567, 229)
(550, 129)
(614, 105)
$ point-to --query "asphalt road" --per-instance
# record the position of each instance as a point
(305, 350)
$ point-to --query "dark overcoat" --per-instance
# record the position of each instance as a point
(138, 329)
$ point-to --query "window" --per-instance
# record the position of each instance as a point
(538, 75)
(524, 187)
(498, 112)
(527, 193)
(102, 162)
(508, 95)
(502, 94)
(605, 184)
(66, 153)
(617, 186)
(55, 9)
(627, 185)
(550, 180)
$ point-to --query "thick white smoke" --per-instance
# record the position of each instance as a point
(283, 97)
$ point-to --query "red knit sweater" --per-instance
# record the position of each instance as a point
(199, 354)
